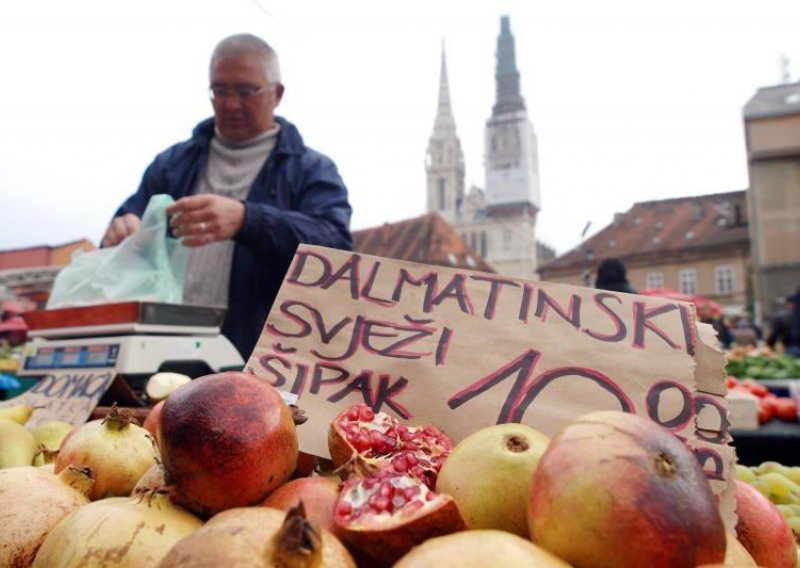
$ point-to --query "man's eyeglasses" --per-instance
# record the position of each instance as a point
(240, 93)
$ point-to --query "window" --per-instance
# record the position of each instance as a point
(724, 282)
(687, 281)
(654, 280)
(441, 194)
(506, 239)
(484, 244)
(473, 241)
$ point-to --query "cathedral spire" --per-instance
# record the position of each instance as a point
(444, 161)
(445, 124)
(509, 98)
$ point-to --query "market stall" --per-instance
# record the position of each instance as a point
(772, 432)
(430, 405)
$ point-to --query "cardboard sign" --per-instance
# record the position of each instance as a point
(70, 396)
(465, 350)
(712, 423)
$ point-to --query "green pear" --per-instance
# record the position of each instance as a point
(51, 433)
(488, 474)
(17, 445)
(49, 436)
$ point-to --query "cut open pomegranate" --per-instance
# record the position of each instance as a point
(388, 444)
(385, 515)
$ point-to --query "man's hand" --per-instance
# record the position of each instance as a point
(120, 228)
(204, 219)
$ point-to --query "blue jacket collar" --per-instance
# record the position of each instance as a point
(289, 139)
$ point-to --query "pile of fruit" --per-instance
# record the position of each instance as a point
(762, 363)
(9, 359)
(778, 483)
(769, 405)
(214, 478)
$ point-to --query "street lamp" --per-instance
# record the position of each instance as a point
(588, 257)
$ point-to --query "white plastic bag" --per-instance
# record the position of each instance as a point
(147, 266)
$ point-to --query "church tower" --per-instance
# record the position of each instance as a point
(498, 222)
(511, 154)
(444, 161)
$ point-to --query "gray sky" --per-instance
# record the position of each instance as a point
(631, 100)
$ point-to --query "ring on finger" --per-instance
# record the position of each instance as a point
(202, 227)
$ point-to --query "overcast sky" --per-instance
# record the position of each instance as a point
(631, 101)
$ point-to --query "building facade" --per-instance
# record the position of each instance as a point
(499, 220)
(772, 130)
(693, 245)
(28, 273)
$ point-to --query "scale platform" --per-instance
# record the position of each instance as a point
(125, 317)
(134, 340)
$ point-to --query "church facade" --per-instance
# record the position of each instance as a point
(498, 220)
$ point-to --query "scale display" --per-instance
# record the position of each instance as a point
(73, 357)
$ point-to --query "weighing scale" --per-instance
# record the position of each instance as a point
(134, 340)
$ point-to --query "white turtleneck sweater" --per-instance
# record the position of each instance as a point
(231, 169)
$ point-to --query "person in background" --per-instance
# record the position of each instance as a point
(744, 332)
(248, 191)
(724, 335)
(794, 347)
(784, 328)
(612, 276)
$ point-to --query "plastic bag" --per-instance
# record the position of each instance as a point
(147, 266)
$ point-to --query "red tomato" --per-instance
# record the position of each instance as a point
(757, 389)
(766, 412)
(786, 409)
(731, 382)
(769, 401)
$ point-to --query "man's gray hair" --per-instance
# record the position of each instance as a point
(250, 45)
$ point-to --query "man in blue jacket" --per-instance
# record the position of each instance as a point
(247, 192)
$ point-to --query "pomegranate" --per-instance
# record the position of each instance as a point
(306, 464)
(118, 531)
(383, 516)
(488, 474)
(615, 489)
(228, 440)
(762, 529)
(151, 422)
(479, 549)
(380, 442)
(259, 536)
(153, 479)
(17, 445)
(32, 502)
(318, 494)
(117, 450)
(45, 457)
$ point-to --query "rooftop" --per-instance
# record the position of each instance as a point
(664, 227)
(770, 102)
(427, 239)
